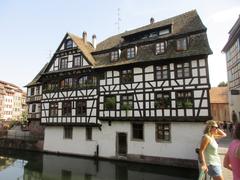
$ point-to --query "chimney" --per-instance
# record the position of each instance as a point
(151, 20)
(94, 41)
(84, 36)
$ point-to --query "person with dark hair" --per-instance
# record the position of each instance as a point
(232, 157)
(208, 152)
(234, 117)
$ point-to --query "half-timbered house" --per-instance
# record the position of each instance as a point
(139, 95)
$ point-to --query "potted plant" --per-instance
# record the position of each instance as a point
(188, 104)
(110, 103)
(126, 107)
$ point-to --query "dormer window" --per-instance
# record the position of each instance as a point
(114, 56)
(160, 48)
(68, 44)
(182, 44)
(131, 52)
(164, 31)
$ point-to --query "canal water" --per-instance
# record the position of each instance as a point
(20, 165)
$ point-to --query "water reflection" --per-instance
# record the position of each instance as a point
(36, 166)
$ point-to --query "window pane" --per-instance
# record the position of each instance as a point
(137, 131)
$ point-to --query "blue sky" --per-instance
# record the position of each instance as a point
(32, 30)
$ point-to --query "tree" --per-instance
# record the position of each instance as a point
(222, 84)
(24, 117)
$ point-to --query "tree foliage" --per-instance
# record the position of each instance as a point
(222, 84)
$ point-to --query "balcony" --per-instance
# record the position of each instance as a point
(34, 98)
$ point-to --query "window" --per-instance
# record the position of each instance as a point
(161, 72)
(163, 132)
(53, 108)
(164, 31)
(37, 90)
(114, 56)
(66, 83)
(66, 175)
(126, 76)
(77, 61)
(110, 102)
(68, 44)
(183, 70)
(184, 99)
(88, 133)
(131, 53)
(63, 63)
(160, 48)
(66, 108)
(137, 131)
(68, 132)
(127, 102)
(50, 86)
(33, 108)
(32, 91)
(182, 44)
(162, 100)
(81, 108)
(87, 81)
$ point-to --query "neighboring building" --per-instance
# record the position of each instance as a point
(139, 95)
(34, 97)
(219, 104)
(232, 50)
(12, 100)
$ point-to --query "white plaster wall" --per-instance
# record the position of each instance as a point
(185, 137)
(54, 141)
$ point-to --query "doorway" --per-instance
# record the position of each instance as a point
(121, 144)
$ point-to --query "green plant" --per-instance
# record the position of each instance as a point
(110, 103)
(126, 107)
(188, 104)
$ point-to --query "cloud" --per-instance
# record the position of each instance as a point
(225, 15)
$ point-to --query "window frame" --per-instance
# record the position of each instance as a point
(63, 63)
(126, 78)
(80, 64)
(66, 83)
(127, 100)
(161, 72)
(185, 71)
(115, 105)
(67, 132)
(114, 56)
(161, 137)
(68, 44)
(182, 44)
(81, 107)
(32, 91)
(53, 109)
(184, 99)
(66, 108)
(137, 133)
(131, 52)
(159, 49)
(159, 101)
(89, 133)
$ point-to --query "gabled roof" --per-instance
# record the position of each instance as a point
(218, 95)
(37, 77)
(181, 24)
(234, 33)
(86, 48)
